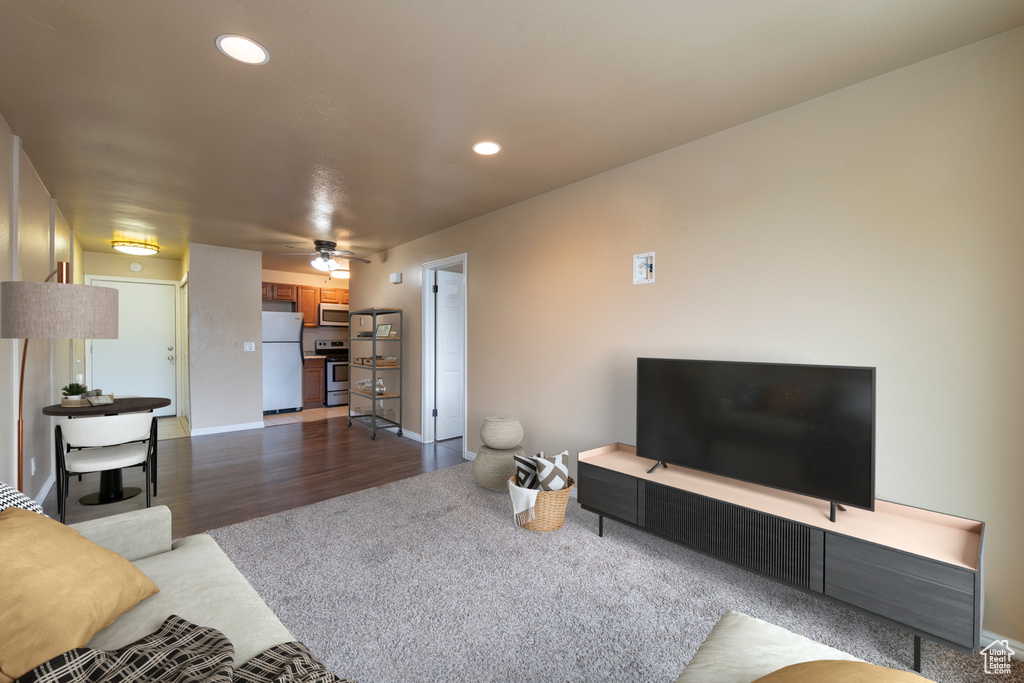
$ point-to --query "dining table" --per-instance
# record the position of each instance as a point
(112, 489)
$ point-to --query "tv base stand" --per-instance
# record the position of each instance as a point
(918, 570)
(833, 506)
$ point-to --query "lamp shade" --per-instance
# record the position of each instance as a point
(50, 310)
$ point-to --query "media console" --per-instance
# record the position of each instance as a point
(919, 570)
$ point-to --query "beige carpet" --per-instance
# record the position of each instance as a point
(427, 579)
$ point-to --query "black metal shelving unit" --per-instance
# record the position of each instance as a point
(379, 366)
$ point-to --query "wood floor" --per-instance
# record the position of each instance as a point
(220, 479)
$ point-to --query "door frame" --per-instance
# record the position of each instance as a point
(429, 346)
(182, 389)
(89, 279)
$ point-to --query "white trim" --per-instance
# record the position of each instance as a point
(45, 491)
(428, 374)
(466, 455)
(180, 334)
(987, 638)
(405, 434)
(226, 428)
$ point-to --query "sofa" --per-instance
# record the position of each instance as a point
(741, 649)
(196, 579)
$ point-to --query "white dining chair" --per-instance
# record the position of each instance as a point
(99, 444)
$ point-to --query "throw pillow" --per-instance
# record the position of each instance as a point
(839, 671)
(11, 497)
(552, 473)
(58, 589)
(526, 471)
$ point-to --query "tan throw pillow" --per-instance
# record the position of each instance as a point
(839, 671)
(58, 589)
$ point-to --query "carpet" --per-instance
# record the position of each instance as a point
(427, 579)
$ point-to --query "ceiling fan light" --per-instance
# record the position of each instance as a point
(340, 273)
(134, 248)
(332, 265)
(320, 264)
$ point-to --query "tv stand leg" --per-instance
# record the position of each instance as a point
(600, 526)
(832, 511)
(917, 654)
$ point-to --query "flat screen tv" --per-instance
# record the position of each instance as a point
(808, 429)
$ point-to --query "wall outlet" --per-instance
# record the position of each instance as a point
(643, 268)
(249, 346)
(32, 467)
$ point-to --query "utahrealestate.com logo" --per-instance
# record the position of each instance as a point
(997, 657)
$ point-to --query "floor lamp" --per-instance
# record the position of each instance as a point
(53, 310)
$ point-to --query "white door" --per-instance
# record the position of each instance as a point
(142, 360)
(450, 302)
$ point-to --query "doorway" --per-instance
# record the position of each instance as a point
(445, 335)
(142, 361)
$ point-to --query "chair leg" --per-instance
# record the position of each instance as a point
(149, 483)
(63, 501)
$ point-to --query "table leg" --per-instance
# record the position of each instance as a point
(111, 490)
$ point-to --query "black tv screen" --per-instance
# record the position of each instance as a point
(802, 428)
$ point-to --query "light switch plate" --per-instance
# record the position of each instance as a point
(249, 346)
(643, 268)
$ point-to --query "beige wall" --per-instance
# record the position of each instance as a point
(311, 279)
(226, 383)
(8, 347)
(34, 264)
(879, 225)
(118, 265)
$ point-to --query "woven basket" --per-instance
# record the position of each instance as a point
(549, 512)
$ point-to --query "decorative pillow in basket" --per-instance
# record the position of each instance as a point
(540, 491)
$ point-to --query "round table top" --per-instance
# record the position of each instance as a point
(131, 404)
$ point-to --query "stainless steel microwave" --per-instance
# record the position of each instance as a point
(333, 315)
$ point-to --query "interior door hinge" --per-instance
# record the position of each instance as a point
(434, 412)
(435, 289)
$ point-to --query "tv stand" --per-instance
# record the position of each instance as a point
(919, 570)
(660, 463)
(833, 506)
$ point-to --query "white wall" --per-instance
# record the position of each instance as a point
(226, 382)
(879, 225)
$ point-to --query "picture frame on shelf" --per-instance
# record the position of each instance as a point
(383, 330)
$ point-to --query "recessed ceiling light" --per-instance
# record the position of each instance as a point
(242, 49)
(487, 148)
(135, 248)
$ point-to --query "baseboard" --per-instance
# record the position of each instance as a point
(204, 431)
(406, 434)
(45, 491)
(470, 456)
(987, 638)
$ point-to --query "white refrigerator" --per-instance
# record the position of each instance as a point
(282, 361)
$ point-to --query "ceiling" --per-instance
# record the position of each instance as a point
(359, 128)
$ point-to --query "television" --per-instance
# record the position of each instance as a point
(809, 429)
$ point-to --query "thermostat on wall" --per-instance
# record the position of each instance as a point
(643, 268)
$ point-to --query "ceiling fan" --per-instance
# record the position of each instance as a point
(324, 257)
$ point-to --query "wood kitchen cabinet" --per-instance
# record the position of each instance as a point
(275, 291)
(331, 296)
(306, 301)
(313, 382)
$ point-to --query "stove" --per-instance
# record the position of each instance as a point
(336, 356)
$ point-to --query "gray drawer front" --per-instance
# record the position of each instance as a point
(610, 493)
(928, 596)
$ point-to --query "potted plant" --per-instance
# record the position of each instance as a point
(73, 390)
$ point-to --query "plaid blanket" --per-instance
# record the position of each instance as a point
(181, 652)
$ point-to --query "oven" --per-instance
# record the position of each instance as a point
(336, 353)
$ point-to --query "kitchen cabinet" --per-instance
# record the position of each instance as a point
(306, 301)
(275, 291)
(333, 296)
(313, 382)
